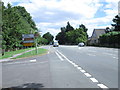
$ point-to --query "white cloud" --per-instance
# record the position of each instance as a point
(50, 15)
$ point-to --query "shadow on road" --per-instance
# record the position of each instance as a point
(27, 86)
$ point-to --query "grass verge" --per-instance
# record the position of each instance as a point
(32, 53)
(11, 53)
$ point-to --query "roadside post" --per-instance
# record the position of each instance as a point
(36, 36)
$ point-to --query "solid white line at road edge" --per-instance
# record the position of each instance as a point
(59, 56)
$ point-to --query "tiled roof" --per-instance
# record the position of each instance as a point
(98, 32)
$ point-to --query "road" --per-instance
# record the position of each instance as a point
(64, 67)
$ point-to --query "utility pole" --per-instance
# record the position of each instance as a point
(36, 45)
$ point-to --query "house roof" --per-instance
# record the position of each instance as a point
(98, 32)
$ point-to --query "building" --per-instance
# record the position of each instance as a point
(95, 36)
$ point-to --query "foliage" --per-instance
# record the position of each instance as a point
(116, 26)
(49, 37)
(110, 38)
(71, 35)
(68, 27)
(16, 21)
(42, 40)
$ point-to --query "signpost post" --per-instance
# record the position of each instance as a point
(36, 35)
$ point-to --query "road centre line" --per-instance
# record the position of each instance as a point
(83, 71)
(102, 86)
(59, 56)
(79, 68)
(93, 79)
(87, 75)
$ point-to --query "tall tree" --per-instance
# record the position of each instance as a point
(61, 36)
(69, 27)
(14, 25)
(116, 26)
(83, 27)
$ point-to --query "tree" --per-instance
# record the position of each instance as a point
(69, 27)
(61, 36)
(76, 36)
(48, 37)
(69, 35)
(14, 25)
(116, 26)
(83, 27)
(107, 30)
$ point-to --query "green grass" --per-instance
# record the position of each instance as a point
(11, 53)
(32, 53)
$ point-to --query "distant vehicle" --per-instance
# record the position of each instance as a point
(55, 44)
(81, 44)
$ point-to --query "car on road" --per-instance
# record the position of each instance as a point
(81, 44)
(55, 44)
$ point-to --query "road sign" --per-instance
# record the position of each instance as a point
(28, 44)
(28, 35)
(28, 39)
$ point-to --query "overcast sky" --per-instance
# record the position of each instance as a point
(51, 15)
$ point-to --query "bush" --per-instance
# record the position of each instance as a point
(110, 39)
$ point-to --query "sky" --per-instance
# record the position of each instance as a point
(51, 15)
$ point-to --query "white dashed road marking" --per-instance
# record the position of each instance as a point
(93, 79)
(102, 86)
(83, 71)
(87, 75)
(79, 68)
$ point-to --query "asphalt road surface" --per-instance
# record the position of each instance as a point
(64, 67)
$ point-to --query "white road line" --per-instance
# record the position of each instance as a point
(34, 60)
(115, 57)
(83, 71)
(75, 65)
(79, 68)
(102, 86)
(63, 56)
(59, 56)
(87, 75)
(93, 79)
